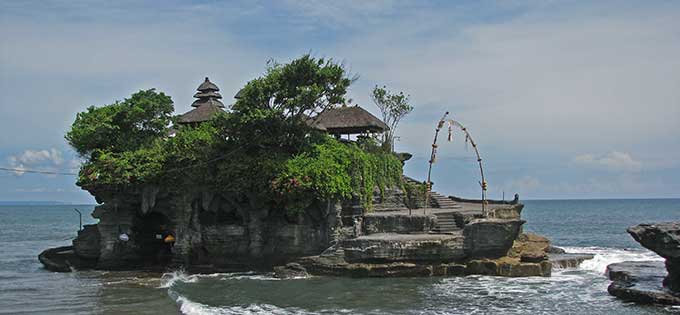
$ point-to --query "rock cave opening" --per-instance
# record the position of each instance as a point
(154, 237)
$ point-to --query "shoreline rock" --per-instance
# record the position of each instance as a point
(64, 259)
(663, 239)
(215, 233)
(640, 282)
(568, 260)
(648, 282)
(527, 257)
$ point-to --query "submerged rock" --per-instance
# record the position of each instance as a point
(640, 282)
(290, 271)
(568, 260)
(555, 250)
(509, 267)
(63, 259)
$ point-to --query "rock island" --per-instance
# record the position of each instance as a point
(290, 177)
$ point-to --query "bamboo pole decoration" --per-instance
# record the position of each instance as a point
(468, 137)
(433, 156)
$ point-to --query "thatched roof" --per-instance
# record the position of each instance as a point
(202, 113)
(207, 101)
(348, 120)
(207, 94)
(239, 94)
(207, 86)
(207, 104)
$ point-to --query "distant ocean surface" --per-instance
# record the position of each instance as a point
(593, 226)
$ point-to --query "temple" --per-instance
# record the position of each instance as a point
(347, 120)
(398, 232)
(207, 104)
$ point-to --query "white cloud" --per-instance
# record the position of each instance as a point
(344, 14)
(543, 80)
(45, 160)
(612, 161)
(39, 190)
(35, 157)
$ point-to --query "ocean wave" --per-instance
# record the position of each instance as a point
(605, 256)
(168, 280)
(171, 278)
(189, 307)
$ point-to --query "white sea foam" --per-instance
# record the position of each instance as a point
(168, 280)
(189, 307)
(605, 256)
(171, 278)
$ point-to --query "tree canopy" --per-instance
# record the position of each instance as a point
(393, 107)
(261, 153)
(122, 126)
(272, 109)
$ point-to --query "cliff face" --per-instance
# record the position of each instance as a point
(209, 230)
(214, 232)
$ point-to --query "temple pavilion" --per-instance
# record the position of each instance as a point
(348, 120)
(338, 121)
(207, 104)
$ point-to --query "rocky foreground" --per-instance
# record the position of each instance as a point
(648, 282)
(403, 246)
(451, 237)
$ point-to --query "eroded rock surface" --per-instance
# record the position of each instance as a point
(568, 260)
(397, 223)
(663, 239)
(290, 271)
(640, 282)
(390, 247)
(217, 232)
(490, 238)
(495, 247)
(86, 245)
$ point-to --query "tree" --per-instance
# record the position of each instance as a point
(302, 87)
(393, 108)
(272, 110)
(268, 123)
(122, 126)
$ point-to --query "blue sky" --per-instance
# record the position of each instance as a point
(567, 99)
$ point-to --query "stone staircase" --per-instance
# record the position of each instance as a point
(440, 201)
(447, 223)
(436, 200)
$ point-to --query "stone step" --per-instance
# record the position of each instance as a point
(450, 226)
(444, 231)
(446, 223)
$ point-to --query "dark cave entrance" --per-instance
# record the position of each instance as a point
(151, 232)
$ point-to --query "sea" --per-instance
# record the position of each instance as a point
(579, 226)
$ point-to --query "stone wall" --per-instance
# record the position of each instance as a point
(397, 223)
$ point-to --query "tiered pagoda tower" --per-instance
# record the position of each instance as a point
(207, 104)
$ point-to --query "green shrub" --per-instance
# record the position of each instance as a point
(334, 170)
